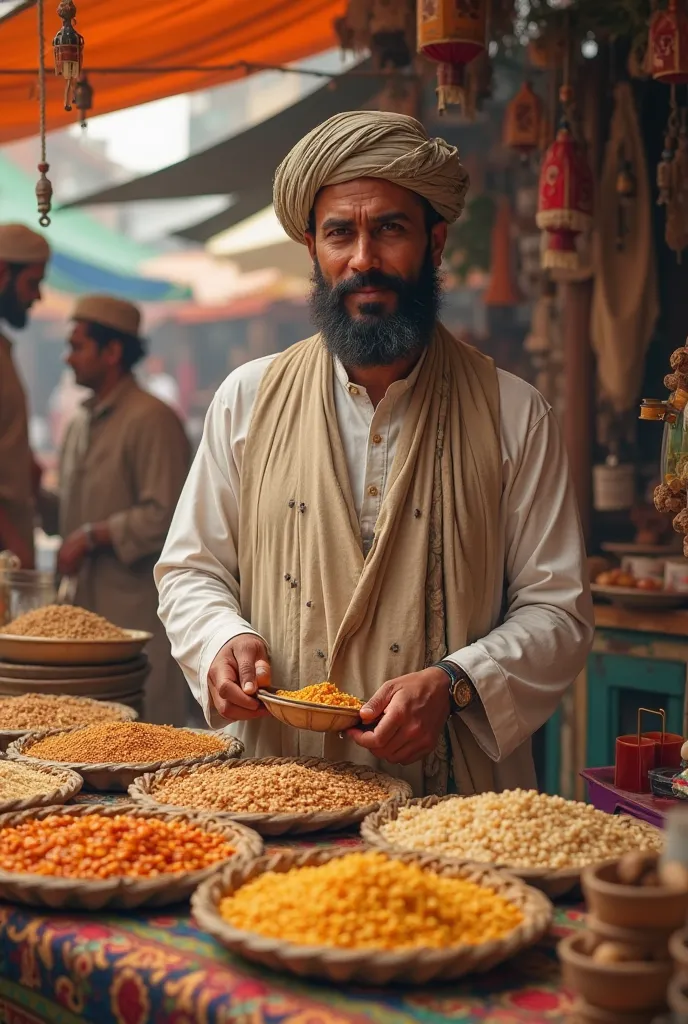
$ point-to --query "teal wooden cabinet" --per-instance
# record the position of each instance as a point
(626, 669)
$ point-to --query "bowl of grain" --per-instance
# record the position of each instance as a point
(23, 786)
(322, 707)
(39, 712)
(274, 795)
(545, 840)
(64, 634)
(110, 755)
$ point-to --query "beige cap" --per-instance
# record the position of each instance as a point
(19, 244)
(109, 312)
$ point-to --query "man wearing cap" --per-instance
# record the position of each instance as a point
(378, 505)
(124, 460)
(23, 256)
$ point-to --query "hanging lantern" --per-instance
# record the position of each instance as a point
(668, 44)
(565, 199)
(523, 121)
(83, 98)
(68, 49)
(502, 290)
(451, 33)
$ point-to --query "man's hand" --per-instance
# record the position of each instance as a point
(72, 553)
(239, 669)
(412, 711)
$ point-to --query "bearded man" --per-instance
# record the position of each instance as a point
(23, 258)
(378, 505)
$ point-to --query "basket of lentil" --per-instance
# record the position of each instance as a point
(34, 712)
(274, 795)
(544, 840)
(92, 856)
(134, 748)
(62, 634)
(370, 916)
(23, 787)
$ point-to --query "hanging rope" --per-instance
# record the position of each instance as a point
(44, 190)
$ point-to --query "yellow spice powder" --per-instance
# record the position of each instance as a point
(323, 693)
(369, 901)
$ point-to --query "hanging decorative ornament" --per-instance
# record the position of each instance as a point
(68, 49)
(668, 44)
(502, 290)
(451, 33)
(83, 98)
(392, 33)
(565, 197)
(44, 189)
(523, 121)
(626, 192)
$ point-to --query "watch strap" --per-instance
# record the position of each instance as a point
(462, 691)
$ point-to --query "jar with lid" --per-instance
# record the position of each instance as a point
(23, 590)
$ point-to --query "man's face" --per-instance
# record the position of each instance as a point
(19, 289)
(91, 364)
(376, 291)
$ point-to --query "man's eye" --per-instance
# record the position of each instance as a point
(392, 226)
(337, 232)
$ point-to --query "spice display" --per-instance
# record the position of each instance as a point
(369, 901)
(96, 846)
(323, 693)
(268, 789)
(124, 743)
(64, 622)
(45, 711)
(518, 828)
(18, 782)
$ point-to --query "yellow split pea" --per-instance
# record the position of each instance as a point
(370, 901)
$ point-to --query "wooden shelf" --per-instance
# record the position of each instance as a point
(668, 623)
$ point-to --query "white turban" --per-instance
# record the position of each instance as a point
(19, 244)
(368, 144)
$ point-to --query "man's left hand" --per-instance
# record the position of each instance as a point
(412, 711)
(72, 553)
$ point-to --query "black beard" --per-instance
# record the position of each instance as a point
(11, 310)
(377, 338)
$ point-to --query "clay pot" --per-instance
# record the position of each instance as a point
(621, 988)
(659, 908)
(585, 1013)
(653, 941)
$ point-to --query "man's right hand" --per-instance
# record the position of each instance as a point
(240, 668)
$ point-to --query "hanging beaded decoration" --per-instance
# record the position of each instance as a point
(44, 189)
(68, 50)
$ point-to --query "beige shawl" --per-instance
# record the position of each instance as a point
(427, 583)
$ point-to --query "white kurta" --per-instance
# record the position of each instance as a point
(542, 616)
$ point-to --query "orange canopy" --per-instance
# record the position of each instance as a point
(155, 33)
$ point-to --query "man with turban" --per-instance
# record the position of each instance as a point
(23, 256)
(378, 505)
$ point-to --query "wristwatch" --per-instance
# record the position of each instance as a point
(462, 692)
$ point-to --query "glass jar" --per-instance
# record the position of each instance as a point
(23, 590)
(675, 449)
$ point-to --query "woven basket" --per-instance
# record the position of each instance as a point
(554, 883)
(121, 893)
(67, 785)
(142, 790)
(416, 966)
(108, 776)
(8, 736)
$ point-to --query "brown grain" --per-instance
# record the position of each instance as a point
(17, 781)
(125, 743)
(45, 711)
(64, 622)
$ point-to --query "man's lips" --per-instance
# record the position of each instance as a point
(368, 292)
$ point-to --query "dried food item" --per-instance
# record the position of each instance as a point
(666, 500)
(678, 361)
(676, 381)
(99, 846)
(268, 789)
(680, 521)
(519, 828)
(370, 901)
(18, 782)
(323, 693)
(64, 622)
(45, 711)
(125, 743)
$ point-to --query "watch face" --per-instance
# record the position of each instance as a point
(462, 693)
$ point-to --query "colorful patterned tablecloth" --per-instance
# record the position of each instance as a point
(158, 968)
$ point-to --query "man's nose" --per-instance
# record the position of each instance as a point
(365, 256)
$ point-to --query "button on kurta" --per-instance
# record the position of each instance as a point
(377, 438)
(373, 491)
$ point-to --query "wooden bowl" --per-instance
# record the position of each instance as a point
(654, 942)
(630, 906)
(622, 988)
(585, 1013)
(301, 714)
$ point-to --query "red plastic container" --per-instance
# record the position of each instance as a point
(668, 748)
(635, 756)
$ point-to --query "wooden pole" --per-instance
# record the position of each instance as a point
(579, 384)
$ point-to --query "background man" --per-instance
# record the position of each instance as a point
(379, 505)
(23, 256)
(124, 460)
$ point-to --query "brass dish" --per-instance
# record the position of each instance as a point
(43, 651)
(302, 714)
(554, 883)
(143, 791)
(123, 893)
(376, 967)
